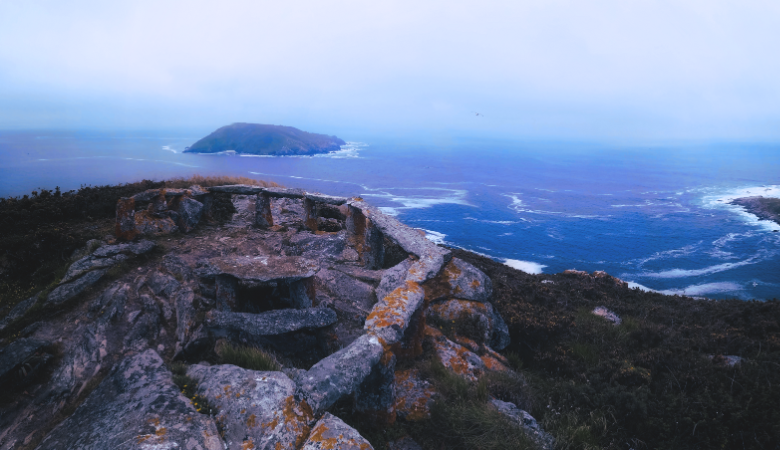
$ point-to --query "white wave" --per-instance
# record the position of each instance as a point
(682, 273)
(707, 288)
(525, 266)
(667, 254)
(389, 211)
(167, 147)
(350, 150)
(632, 285)
(717, 199)
(451, 196)
(497, 222)
(434, 236)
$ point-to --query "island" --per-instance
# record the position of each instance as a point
(766, 208)
(272, 140)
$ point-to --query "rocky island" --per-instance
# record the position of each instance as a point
(257, 139)
(765, 208)
(252, 316)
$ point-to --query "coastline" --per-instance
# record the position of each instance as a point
(765, 208)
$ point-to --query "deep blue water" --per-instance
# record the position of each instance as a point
(651, 215)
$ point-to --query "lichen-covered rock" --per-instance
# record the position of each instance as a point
(88, 263)
(110, 305)
(190, 212)
(162, 284)
(330, 432)
(272, 323)
(146, 223)
(255, 410)
(375, 396)
(414, 396)
(340, 373)
(475, 320)
(240, 189)
(136, 407)
(392, 314)
(317, 246)
(460, 279)
(526, 421)
(455, 357)
(67, 291)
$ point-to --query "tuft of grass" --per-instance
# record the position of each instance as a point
(251, 358)
(209, 181)
(575, 429)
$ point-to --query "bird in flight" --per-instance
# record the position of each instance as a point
(479, 115)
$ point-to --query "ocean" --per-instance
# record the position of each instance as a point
(655, 215)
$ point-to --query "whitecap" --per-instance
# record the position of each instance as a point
(451, 196)
(674, 253)
(720, 200)
(434, 236)
(706, 288)
(682, 273)
(633, 285)
(525, 266)
(168, 147)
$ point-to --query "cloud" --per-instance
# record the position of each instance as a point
(550, 67)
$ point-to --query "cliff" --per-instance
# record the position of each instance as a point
(257, 139)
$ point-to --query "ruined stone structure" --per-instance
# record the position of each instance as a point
(308, 276)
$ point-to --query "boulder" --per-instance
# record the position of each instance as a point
(137, 407)
(471, 319)
(330, 432)
(526, 421)
(272, 322)
(340, 373)
(146, 223)
(460, 279)
(254, 409)
(162, 284)
(349, 295)
(413, 396)
(67, 291)
(190, 212)
(455, 357)
(110, 305)
(88, 263)
(18, 311)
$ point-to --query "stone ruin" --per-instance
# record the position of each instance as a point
(315, 278)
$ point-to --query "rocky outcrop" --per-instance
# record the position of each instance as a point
(330, 432)
(526, 421)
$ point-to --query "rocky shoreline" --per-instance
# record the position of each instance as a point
(765, 208)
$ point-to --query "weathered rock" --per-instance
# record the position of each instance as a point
(526, 421)
(125, 219)
(272, 322)
(329, 199)
(261, 269)
(310, 245)
(263, 214)
(393, 278)
(145, 223)
(362, 274)
(190, 212)
(460, 279)
(392, 314)
(185, 317)
(138, 407)
(349, 295)
(602, 311)
(18, 311)
(414, 396)
(88, 263)
(328, 225)
(110, 305)
(144, 331)
(330, 432)
(198, 192)
(284, 193)
(241, 189)
(67, 291)
(150, 194)
(177, 266)
(340, 373)
(375, 396)
(254, 409)
(162, 284)
(472, 319)
(405, 443)
(14, 356)
(226, 292)
(158, 207)
(135, 248)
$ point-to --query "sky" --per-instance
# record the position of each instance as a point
(547, 69)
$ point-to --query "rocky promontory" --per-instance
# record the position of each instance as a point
(765, 208)
(257, 139)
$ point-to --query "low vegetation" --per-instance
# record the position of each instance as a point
(251, 358)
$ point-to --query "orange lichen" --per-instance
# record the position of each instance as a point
(161, 431)
(251, 421)
(493, 364)
(412, 399)
(247, 445)
(388, 311)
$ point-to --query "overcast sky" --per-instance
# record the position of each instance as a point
(594, 69)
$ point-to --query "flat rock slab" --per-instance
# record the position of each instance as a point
(67, 291)
(255, 409)
(392, 314)
(340, 373)
(330, 432)
(241, 189)
(106, 256)
(284, 193)
(18, 311)
(272, 323)
(136, 407)
(262, 269)
(329, 199)
(17, 352)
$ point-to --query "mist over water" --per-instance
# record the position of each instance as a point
(654, 216)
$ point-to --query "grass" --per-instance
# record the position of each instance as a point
(251, 358)
(189, 388)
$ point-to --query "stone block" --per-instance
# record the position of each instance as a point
(272, 323)
(330, 432)
(125, 219)
(263, 216)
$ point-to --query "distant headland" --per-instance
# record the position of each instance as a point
(766, 208)
(257, 139)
